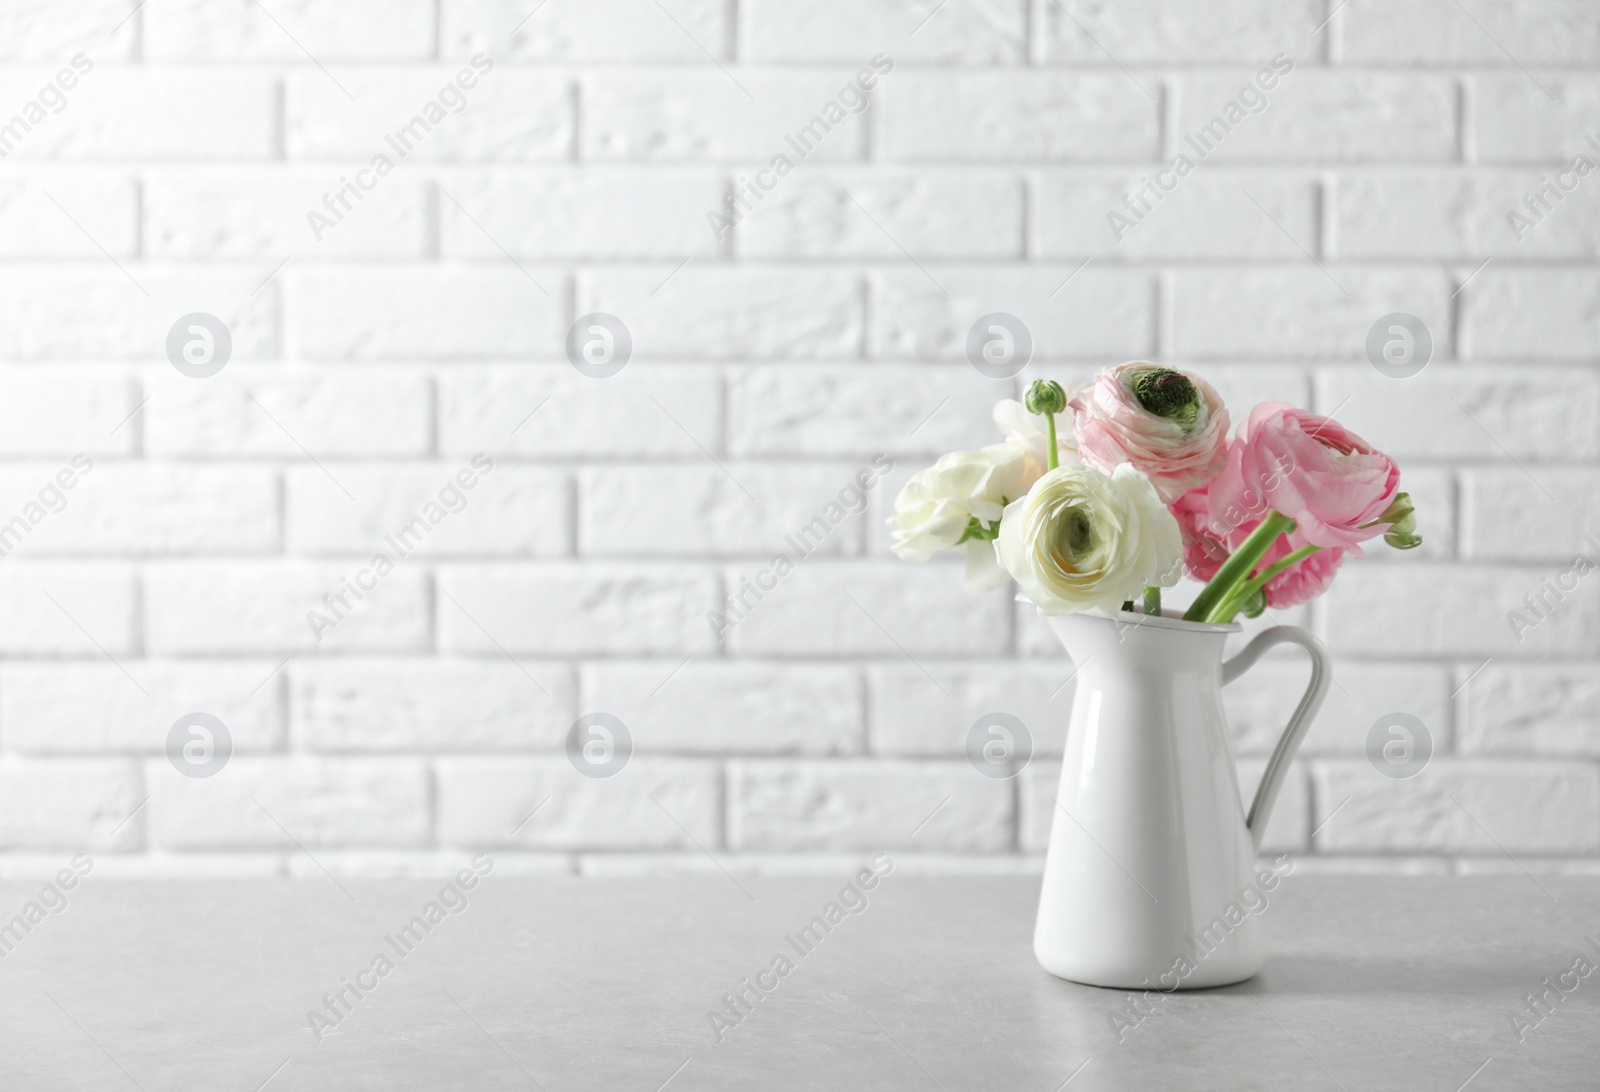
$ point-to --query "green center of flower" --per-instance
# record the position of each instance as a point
(1168, 394)
(1074, 536)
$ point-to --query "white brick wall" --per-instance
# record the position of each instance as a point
(771, 364)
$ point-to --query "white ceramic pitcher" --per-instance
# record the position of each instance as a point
(1150, 843)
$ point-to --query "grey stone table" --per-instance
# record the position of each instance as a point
(1375, 983)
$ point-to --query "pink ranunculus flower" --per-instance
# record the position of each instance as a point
(1172, 426)
(1330, 481)
(1305, 579)
(1204, 551)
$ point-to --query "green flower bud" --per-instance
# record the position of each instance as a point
(1402, 521)
(1045, 396)
(1255, 603)
(1168, 394)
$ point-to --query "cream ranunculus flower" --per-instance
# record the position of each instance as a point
(957, 501)
(1081, 540)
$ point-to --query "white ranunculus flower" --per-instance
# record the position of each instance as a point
(935, 510)
(1027, 431)
(1081, 540)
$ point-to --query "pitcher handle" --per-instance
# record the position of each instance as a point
(1299, 723)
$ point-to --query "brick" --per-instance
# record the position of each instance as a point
(898, 410)
(601, 30)
(604, 212)
(37, 30)
(95, 310)
(90, 708)
(1011, 116)
(426, 512)
(1259, 703)
(369, 30)
(634, 865)
(34, 225)
(1517, 120)
(867, 805)
(1539, 313)
(811, 865)
(1465, 611)
(432, 312)
(911, 716)
(699, 115)
(1209, 214)
(502, 116)
(700, 706)
(730, 312)
(1299, 312)
(64, 410)
(267, 607)
(549, 412)
(133, 508)
(1461, 214)
(1509, 518)
(272, 412)
(1527, 413)
(398, 706)
(989, 32)
(1533, 709)
(898, 611)
(115, 114)
(74, 804)
(656, 804)
(1067, 312)
(1534, 32)
(434, 865)
(1460, 806)
(149, 865)
(262, 803)
(1147, 31)
(93, 612)
(227, 213)
(602, 608)
(737, 509)
(1321, 117)
(1288, 828)
(937, 213)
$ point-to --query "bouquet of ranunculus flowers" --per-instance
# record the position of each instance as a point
(1146, 483)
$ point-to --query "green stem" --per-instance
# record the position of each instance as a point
(1127, 606)
(1235, 602)
(1152, 601)
(1051, 459)
(1237, 568)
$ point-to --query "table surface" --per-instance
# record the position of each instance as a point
(559, 984)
